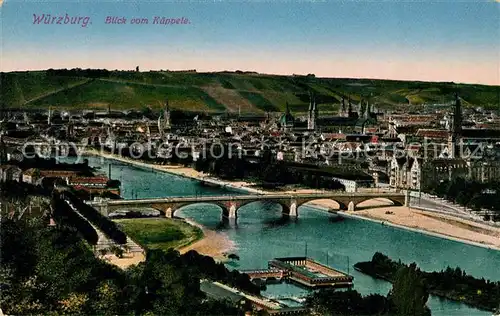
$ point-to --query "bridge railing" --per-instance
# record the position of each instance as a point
(208, 198)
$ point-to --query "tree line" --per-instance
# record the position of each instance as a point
(64, 215)
(472, 194)
(51, 271)
(453, 284)
(78, 72)
(106, 225)
(408, 296)
(266, 172)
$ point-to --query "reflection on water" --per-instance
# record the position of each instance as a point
(340, 244)
(262, 233)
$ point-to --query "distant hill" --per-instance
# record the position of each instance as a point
(248, 92)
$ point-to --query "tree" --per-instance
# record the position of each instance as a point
(103, 252)
(117, 251)
(409, 293)
(73, 304)
(107, 299)
(350, 302)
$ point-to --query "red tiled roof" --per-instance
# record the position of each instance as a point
(87, 180)
(432, 133)
(57, 173)
(79, 187)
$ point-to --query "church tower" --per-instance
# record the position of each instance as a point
(367, 110)
(342, 110)
(287, 120)
(166, 115)
(313, 112)
(456, 128)
(3, 150)
(49, 117)
(309, 110)
(351, 114)
(164, 119)
(457, 117)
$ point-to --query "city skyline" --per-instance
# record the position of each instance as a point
(424, 41)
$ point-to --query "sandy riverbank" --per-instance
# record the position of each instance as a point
(445, 226)
(440, 225)
(213, 244)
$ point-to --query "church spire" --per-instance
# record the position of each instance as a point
(456, 130)
(313, 110)
(367, 110)
(315, 107)
(310, 102)
(457, 116)
(166, 114)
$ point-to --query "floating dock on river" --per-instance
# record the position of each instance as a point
(303, 271)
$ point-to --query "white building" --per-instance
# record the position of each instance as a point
(350, 185)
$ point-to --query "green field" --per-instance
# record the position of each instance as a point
(160, 233)
(222, 91)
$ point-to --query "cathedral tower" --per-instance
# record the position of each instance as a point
(313, 112)
(456, 128)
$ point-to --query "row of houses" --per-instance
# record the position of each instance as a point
(35, 176)
(413, 173)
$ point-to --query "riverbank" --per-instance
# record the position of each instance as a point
(153, 233)
(162, 233)
(450, 283)
(429, 223)
(214, 244)
(181, 171)
(377, 210)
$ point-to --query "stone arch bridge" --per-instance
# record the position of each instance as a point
(230, 204)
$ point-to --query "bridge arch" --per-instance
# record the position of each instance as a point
(373, 202)
(171, 209)
(285, 205)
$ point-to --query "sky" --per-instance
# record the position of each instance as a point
(411, 40)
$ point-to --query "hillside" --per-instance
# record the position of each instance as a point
(217, 92)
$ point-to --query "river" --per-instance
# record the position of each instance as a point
(261, 236)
